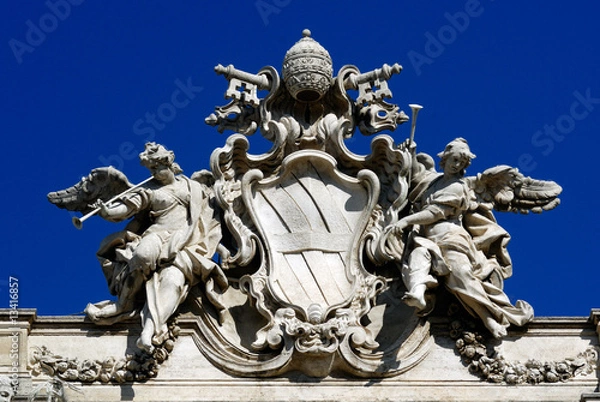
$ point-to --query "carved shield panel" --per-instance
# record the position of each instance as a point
(311, 217)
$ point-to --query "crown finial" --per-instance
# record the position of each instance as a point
(307, 69)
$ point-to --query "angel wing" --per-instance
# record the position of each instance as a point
(204, 177)
(504, 188)
(102, 183)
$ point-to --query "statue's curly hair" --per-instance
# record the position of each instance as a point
(155, 154)
(460, 146)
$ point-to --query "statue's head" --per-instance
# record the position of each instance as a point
(6, 389)
(156, 155)
(459, 148)
(307, 70)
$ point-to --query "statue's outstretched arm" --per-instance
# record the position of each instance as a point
(115, 211)
(427, 216)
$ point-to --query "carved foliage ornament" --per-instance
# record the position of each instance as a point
(493, 367)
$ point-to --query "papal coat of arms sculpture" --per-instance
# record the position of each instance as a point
(308, 257)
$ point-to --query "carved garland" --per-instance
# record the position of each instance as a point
(140, 366)
(494, 368)
(469, 344)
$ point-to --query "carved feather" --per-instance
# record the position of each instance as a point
(505, 189)
(102, 183)
(204, 177)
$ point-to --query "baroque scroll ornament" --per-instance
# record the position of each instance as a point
(328, 260)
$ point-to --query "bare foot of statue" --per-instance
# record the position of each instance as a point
(416, 297)
(108, 309)
(145, 343)
(161, 336)
(498, 330)
(92, 312)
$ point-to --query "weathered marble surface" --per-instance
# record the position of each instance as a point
(188, 376)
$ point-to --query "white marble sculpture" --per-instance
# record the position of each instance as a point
(163, 251)
(6, 389)
(454, 234)
(320, 244)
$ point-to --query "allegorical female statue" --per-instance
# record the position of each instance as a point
(454, 235)
(165, 249)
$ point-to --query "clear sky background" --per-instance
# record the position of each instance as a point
(519, 80)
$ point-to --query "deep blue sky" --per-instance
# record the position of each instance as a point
(501, 78)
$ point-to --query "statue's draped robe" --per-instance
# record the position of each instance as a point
(466, 229)
(170, 228)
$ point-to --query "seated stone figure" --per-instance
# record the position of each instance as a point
(165, 249)
(454, 236)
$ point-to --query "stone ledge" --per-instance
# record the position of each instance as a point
(595, 319)
(191, 377)
(595, 397)
(342, 391)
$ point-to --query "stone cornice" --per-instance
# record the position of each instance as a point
(595, 319)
